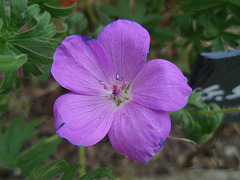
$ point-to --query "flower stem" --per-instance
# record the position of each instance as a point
(82, 161)
(90, 12)
(228, 110)
(51, 139)
(183, 139)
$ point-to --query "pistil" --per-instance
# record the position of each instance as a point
(118, 90)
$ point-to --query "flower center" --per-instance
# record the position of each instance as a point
(119, 90)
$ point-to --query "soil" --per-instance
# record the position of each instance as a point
(221, 154)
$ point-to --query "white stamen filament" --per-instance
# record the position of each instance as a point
(118, 90)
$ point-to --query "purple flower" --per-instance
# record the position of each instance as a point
(114, 92)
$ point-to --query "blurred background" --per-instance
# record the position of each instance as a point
(180, 31)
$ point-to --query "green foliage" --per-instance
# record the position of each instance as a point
(9, 63)
(98, 173)
(144, 14)
(54, 11)
(68, 172)
(76, 24)
(4, 102)
(27, 38)
(209, 25)
(13, 150)
(197, 127)
(49, 170)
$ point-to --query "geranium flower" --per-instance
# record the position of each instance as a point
(114, 92)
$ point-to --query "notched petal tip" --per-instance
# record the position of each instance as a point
(139, 132)
(63, 123)
(159, 145)
(85, 39)
(82, 120)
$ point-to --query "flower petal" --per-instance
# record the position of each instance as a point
(82, 120)
(161, 85)
(80, 63)
(126, 44)
(139, 132)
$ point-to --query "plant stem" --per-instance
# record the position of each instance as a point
(229, 110)
(82, 161)
(52, 138)
(202, 147)
(90, 12)
(182, 139)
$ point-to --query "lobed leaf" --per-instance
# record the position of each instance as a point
(39, 30)
(10, 63)
(70, 172)
(3, 14)
(4, 103)
(192, 7)
(35, 156)
(48, 171)
(34, 57)
(38, 45)
(98, 173)
(9, 79)
(16, 11)
(197, 127)
(1, 23)
(58, 12)
(76, 24)
(235, 2)
(30, 13)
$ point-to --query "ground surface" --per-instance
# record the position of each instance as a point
(219, 157)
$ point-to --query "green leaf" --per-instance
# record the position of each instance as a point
(197, 127)
(151, 21)
(34, 57)
(231, 38)
(125, 5)
(1, 23)
(35, 43)
(58, 12)
(191, 6)
(210, 122)
(39, 30)
(35, 156)
(194, 102)
(29, 67)
(218, 44)
(3, 13)
(30, 13)
(47, 73)
(9, 78)
(140, 10)
(48, 171)
(40, 1)
(4, 103)
(98, 173)
(26, 69)
(235, 2)
(38, 45)
(13, 139)
(70, 172)
(35, 69)
(9, 63)
(76, 24)
(17, 8)
(97, 31)
(104, 17)
(110, 11)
